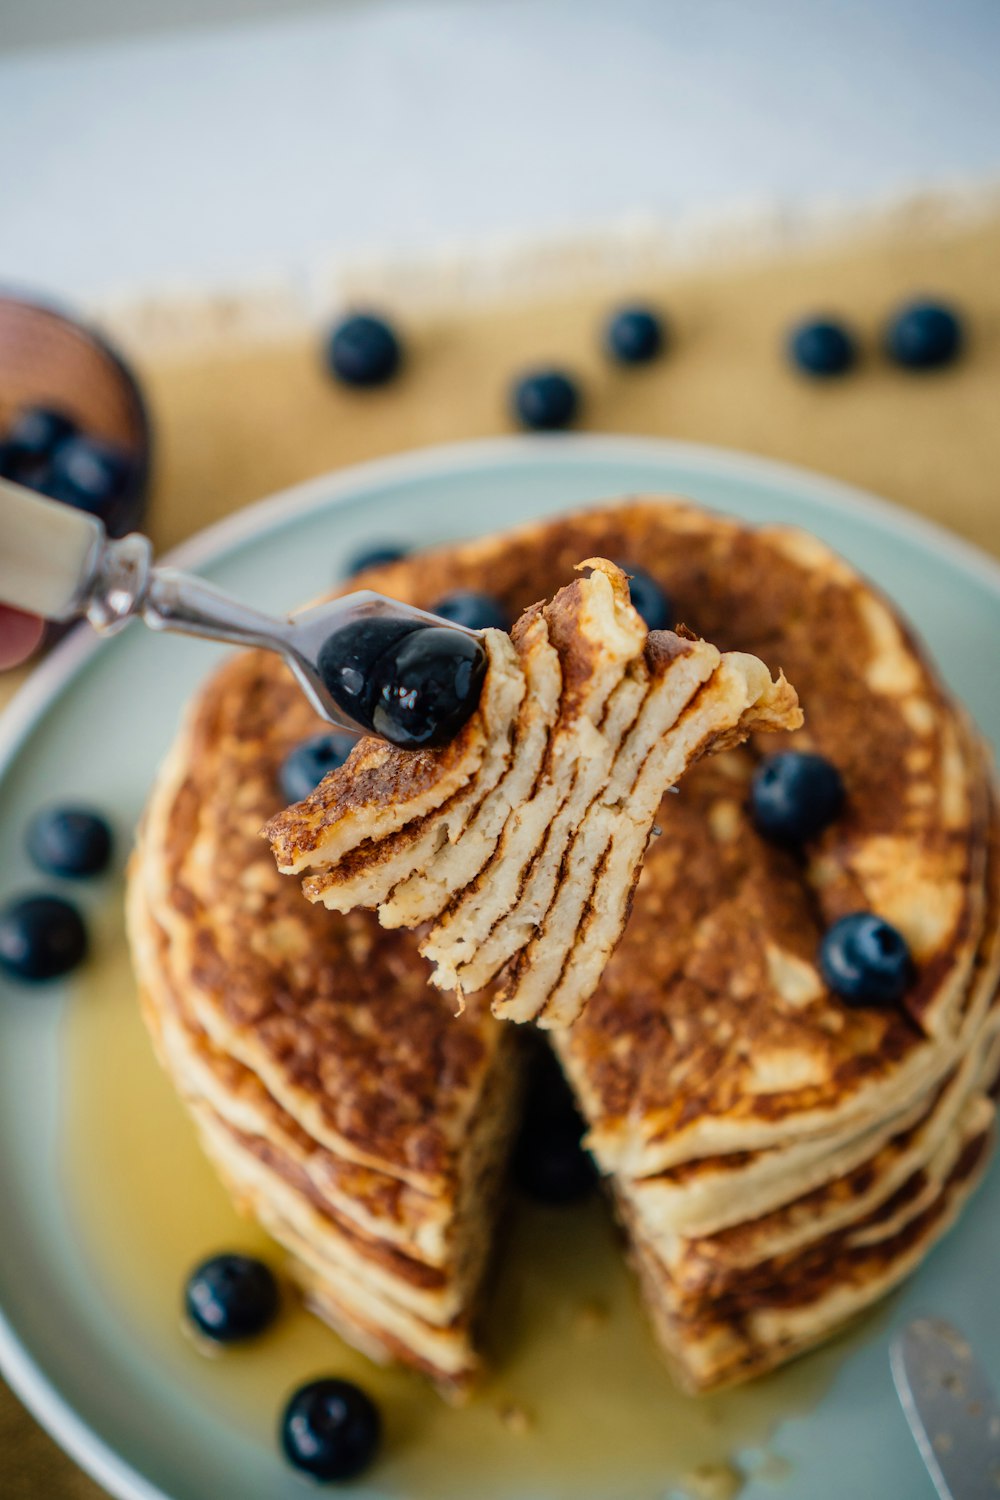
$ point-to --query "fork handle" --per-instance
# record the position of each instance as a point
(59, 562)
(48, 553)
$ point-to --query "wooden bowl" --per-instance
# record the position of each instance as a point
(49, 359)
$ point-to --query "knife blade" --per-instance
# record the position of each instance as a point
(951, 1408)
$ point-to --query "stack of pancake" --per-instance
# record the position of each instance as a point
(523, 840)
(778, 1157)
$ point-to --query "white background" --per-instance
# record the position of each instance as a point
(183, 144)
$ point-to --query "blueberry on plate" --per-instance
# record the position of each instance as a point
(651, 602)
(88, 473)
(865, 961)
(474, 610)
(35, 434)
(427, 687)
(545, 400)
(231, 1297)
(549, 1162)
(331, 1429)
(303, 768)
(822, 347)
(548, 1096)
(69, 841)
(41, 937)
(635, 335)
(363, 350)
(794, 796)
(924, 336)
(375, 556)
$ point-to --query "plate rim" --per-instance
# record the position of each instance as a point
(29, 1383)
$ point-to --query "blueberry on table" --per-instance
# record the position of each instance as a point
(331, 1429)
(303, 768)
(428, 687)
(794, 796)
(375, 556)
(651, 602)
(364, 351)
(474, 610)
(231, 1297)
(35, 434)
(823, 348)
(924, 336)
(635, 335)
(88, 473)
(69, 841)
(41, 937)
(545, 400)
(865, 960)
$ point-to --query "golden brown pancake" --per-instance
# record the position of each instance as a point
(779, 1158)
(527, 870)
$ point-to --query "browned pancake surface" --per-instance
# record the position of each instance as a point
(341, 1008)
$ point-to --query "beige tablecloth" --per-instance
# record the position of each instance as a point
(242, 418)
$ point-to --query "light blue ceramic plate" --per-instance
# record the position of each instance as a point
(94, 721)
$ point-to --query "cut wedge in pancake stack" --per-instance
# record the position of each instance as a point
(780, 1155)
(527, 869)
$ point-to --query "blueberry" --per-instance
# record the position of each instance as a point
(415, 685)
(649, 599)
(375, 556)
(551, 1166)
(303, 768)
(347, 661)
(331, 1429)
(924, 336)
(41, 937)
(549, 1163)
(89, 474)
(865, 961)
(794, 796)
(231, 1297)
(545, 400)
(69, 841)
(547, 1096)
(635, 335)
(821, 347)
(473, 610)
(36, 479)
(428, 687)
(363, 350)
(35, 434)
